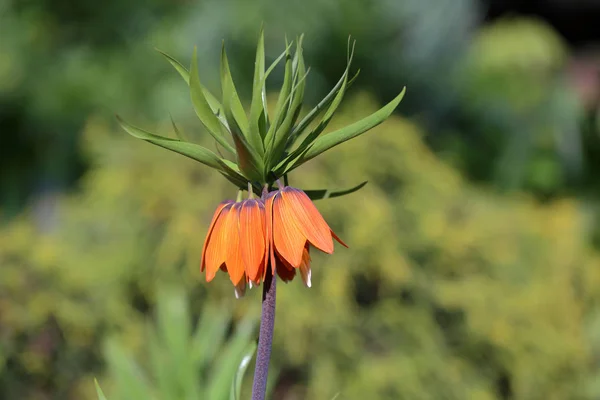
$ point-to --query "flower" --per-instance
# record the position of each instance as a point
(245, 236)
(293, 225)
(236, 243)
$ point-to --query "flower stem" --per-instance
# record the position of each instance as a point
(265, 338)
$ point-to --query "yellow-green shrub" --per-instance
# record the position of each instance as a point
(447, 290)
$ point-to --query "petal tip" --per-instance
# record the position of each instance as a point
(240, 289)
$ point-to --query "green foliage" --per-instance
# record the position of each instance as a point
(183, 364)
(495, 100)
(514, 80)
(99, 391)
(264, 151)
(447, 291)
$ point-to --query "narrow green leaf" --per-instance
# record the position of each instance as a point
(177, 65)
(99, 390)
(250, 164)
(328, 194)
(130, 378)
(312, 136)
(203, 109)
(239, 184)
(314, 113)
(231, 99)
(233, 173)
(265, 121)
(257, 109)
(236, 385)
(332, 139)
(162, 369)
(288, 162)
(295, 102)
(224, 370)
(180, 135)
(249, 160)
(193, 151)
(280, 108)
(333, 101)
(214, 104)
(173, 328)
(281, 136)
(210, 335)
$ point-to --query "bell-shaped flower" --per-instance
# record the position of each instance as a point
(293, 225)
(235, 243)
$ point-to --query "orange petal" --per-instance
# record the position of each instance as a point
(220, 208)
(305, 271)
(285, 271)
(216, 246)
(240, 289)
(252, 237)
(288, 239)
(270, 251)
(340, 241)
(233, 257)
(307, 219)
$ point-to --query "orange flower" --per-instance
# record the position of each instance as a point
(235, 242)
(293, 224)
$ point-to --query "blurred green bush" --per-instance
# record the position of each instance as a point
(447, 290)
(180, 362)
(493, 100)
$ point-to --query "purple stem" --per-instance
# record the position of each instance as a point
(265, 338)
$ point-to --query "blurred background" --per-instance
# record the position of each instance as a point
(474, 266)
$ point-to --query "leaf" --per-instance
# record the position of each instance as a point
(236, 385)
(129, 376)
(203, 109)
(180, 135)
(99, 390)
(224, 370)
(231, 100)
(332, 139)
(279, 146)
(191, 150)
(248, 159)
(312, 136)
(289, 162)
(295, 103)
(214, 104)
(173, 328)
(264, 79)
(280, 108)
(257, 107)
(177, 65)
(210, 335)
(310, 117)
(234, 172)
(328, 194)
(165, 378)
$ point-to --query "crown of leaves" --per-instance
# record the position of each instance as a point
(262, 149)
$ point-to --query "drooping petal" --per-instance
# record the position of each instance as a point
(305, 270)
(252, 238)
(216, 215)
(216, 245)
(240, 289)
(270, 251)
(288, 239)
(307, 219)
(234, 261)
(285, 271)
(340, 241)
